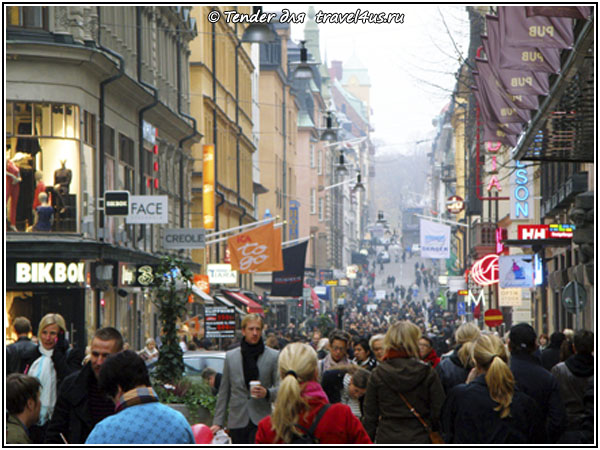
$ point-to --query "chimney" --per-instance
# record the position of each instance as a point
(336, 70)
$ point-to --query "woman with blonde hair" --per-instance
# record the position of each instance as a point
(399, 378)
(489, 410)
(49, 365)
(300, 398)
(455, 368)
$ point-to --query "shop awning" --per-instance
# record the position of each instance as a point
(208, 300)
(537, 244)
(226, 302)
(252, 306)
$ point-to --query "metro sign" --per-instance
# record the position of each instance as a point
(545, 231)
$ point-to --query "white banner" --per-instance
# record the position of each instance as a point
(435, 240)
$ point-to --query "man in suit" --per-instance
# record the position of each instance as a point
(251, 361)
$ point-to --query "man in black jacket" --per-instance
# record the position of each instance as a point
(536, 381)
(21, 352)
(80, 404)
(551, 355)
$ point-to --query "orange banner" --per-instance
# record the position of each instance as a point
(208, 186)
(257, 250)
(201, 282)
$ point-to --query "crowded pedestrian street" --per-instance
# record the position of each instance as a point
(317, 224)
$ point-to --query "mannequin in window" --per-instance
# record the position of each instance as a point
(13, 187)
(62, 180)
(44, 214)
(39, 188)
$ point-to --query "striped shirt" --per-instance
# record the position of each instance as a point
(347, 400)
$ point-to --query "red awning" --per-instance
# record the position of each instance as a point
(252, 306)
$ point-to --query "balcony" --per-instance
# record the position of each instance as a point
(564, 195)
(483, 239)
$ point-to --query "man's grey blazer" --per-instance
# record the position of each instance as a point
(234, 393)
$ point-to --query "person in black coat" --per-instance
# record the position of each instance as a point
(535, 381)
(551, 355)
(490, 410)
(23, 351)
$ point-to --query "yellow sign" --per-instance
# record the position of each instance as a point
(208, 186)
(331, 282)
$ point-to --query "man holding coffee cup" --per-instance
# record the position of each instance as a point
(249, 384)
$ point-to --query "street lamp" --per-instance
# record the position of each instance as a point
(329, 134)
(341, 168)
(340, 316)
(303, 70)
(357, 187)
(258, 32)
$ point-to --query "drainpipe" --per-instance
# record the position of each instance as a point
(186, 138)
(101, 114)
(237, 127)
(214, 86)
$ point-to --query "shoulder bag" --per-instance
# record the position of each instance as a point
(434, 436)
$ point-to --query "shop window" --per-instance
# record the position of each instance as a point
(43, 167)
(34, 17)
(89, 128)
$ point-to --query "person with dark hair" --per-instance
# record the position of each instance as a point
(347, 385)
(19, 353)
(23, 407)
(139, 417)
(80, 403)
(212, 377)
(551, 355)
(363, 356)
(536, 381)
(573, 376)
(339, 341)
(427, 352)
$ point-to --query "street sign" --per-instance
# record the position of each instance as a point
(460, 309)
(574, 290)
(180, 238)
(219, 322)
(493, 317)
(116, 203)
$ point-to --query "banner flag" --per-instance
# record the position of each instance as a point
(504, 109)
(208, 186)
(493, 133)
(257, 250)
(575, 12)
(518, 30)
(289, 281)
(435, 240)
(313, 296)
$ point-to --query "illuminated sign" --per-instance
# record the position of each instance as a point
(480, 300)
(49, 272)
(521, 198)
(485, 270)
(538, 270)
(208, 186)
(516, 271)
(545, 231)
(501, 234)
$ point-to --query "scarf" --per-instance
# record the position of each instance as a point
(329, 363)
(136, 396)
(313, 390)
(43, 369)
(250, 354)
(393, 353)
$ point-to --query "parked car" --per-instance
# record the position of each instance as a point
(196, 361)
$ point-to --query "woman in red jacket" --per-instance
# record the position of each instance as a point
(299, 399)
(427, 352)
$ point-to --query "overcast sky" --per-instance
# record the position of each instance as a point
(404, 61)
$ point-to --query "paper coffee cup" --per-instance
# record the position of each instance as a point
(253, 384)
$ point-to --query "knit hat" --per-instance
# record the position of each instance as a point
(522, 336)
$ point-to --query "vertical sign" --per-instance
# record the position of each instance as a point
(293, 221)
(208, 186)
(521, 193)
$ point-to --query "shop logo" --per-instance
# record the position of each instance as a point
(49, 272)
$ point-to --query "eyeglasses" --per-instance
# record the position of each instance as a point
(338, 349)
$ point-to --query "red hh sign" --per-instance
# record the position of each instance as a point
(545, 231)
(493, 317)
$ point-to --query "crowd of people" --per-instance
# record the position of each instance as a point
(405, 372)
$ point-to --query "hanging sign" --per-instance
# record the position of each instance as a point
(516, 271)
(148, 209)
(181, 238)
(485, 270)
(208, 186)
(521, 192)
(545, 231)
(221, 274)
(455, 204)
(116, 203)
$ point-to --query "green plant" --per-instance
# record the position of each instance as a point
(171, 288)
(192, 392)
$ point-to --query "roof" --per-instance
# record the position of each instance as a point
(357, 104)
(355, 68)
(252, 306)
(304, 120)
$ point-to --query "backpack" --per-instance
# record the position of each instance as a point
(309, 437)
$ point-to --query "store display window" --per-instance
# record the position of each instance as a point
(42, 167)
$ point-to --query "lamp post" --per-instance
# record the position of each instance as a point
(340, 312)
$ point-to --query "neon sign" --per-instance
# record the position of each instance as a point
(485, 270)
(521, 204)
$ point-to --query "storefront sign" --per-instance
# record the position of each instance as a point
(293, 219)
(116, 203)
(480, 300)
(221, 274)
(516, 271)
(510, 297)
(455, 204)
(147, 209)
(331, 282)
(202, 283)
(49, 273)
(521, 197)
(485, 270)
(545, 231)
(219, 322)
(351, 271)
(135, 275)
(208, 186)
(178, 238)
(325, 274)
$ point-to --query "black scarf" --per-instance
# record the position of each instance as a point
(250, 354)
